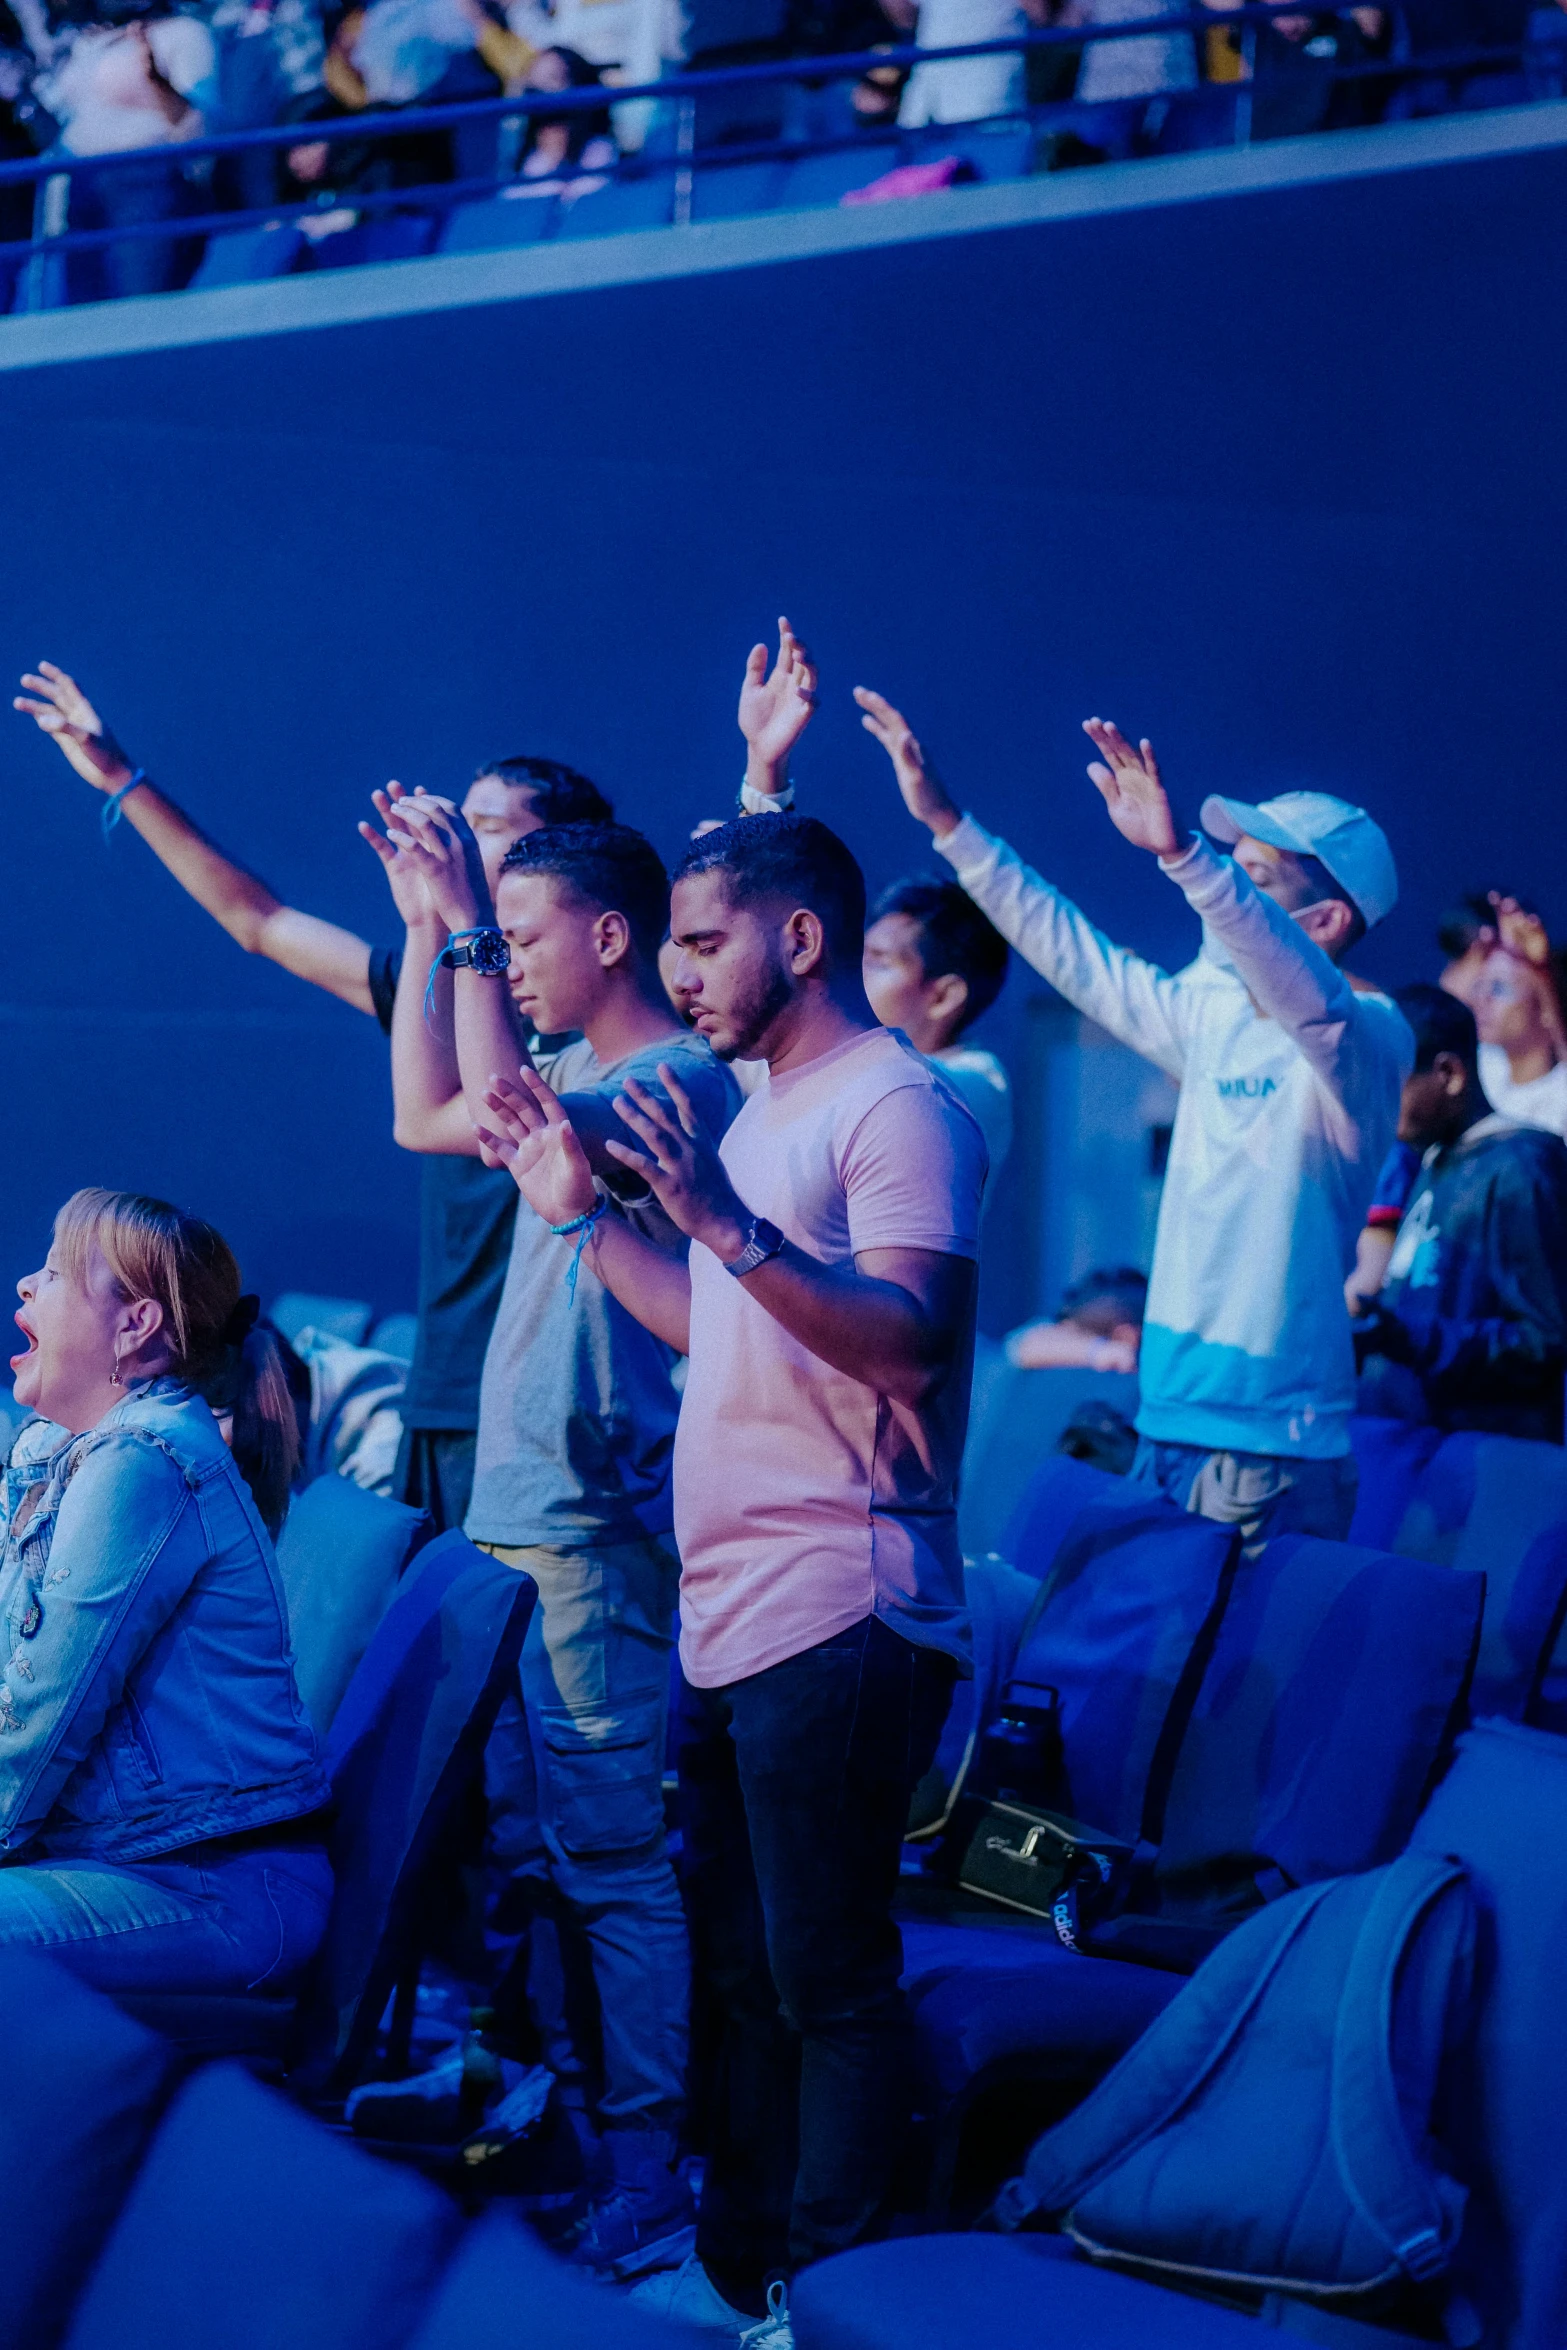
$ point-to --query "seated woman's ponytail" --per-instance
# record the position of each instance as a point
(156, 1251)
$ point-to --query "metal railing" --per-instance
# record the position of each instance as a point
(679, 97)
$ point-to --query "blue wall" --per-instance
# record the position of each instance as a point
(1276, 479)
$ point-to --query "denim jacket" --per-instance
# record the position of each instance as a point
(147, 1695)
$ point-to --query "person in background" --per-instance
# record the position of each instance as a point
(1124, 87)
(1470, 1328)
(827, 1309)
(933, 966)
(577, 1418)
(160, 1788)
(466, 1210)
(567, 145)
(1289, 1077)
(1518, 1013)
(1099, 1327)
(964, 89)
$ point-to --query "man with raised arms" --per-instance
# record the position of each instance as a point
(1290, 1075)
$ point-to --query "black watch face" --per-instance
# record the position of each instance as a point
(491, 954)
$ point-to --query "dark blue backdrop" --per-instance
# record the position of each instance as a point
(1277, 480)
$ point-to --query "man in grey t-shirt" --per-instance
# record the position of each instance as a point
(576, 1431)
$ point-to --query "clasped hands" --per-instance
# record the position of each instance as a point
(431, 859)
(530, 1133)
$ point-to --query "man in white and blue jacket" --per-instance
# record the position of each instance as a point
(1290, 1075)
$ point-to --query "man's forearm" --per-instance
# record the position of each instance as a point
(429, 1112)
(1286, 973)
(648, 1282)
(872, 1329)
(489, 1041)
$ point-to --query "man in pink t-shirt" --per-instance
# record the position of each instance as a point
(828, 1312)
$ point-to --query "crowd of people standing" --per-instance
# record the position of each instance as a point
(704, 1163)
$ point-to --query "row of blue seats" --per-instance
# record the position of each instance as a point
(628, 201)
(1291, 1709)
(159, 2208)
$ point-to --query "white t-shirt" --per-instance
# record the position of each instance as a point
(1540, 1101)
(804, 1500)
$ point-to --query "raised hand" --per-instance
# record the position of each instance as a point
(404, 876)
(680, 1165)
(1129, 785)
(530, 1134)
(924, 794)
(1520, 931)
(63, 711)
(776, 708)
(435, 837)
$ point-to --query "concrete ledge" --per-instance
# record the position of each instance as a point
(464, 280)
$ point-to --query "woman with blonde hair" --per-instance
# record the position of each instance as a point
(160, 1787)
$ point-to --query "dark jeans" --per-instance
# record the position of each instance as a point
(434, 1472)
(794, 1792)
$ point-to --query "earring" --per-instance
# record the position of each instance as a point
(114, 1376)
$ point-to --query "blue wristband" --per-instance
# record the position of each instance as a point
(111, 807)
(582, 1225)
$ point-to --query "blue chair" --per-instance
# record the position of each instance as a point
(294, 1310)
(1016, 1418)
(385, 236)
(341, 1554)
(1324, 1718)
(1137, 1587)
(950, 2292)
(245, 256)
(1502, 1812)
(1391, 1457)
(82, 2091)
(504, 2288)
(251, 2226)
(407, 1743)
(1499, 1504)
(826, 179)
(1000, 151)
(622, 205)
(498, 224)
(727, 191)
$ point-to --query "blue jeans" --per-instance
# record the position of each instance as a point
(794, 1794)
(1261, 1493)
(209, 1918)
(574, 1781)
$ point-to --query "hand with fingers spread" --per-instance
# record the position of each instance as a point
(1129, 785)
(680, 1166)
(435, 837)
(62, 710)
(924, 794)
(530, 1134)
(775, 709)
(404, 877)
(1520, 930)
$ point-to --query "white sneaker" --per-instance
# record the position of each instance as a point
(688, 2295)
(774, 2331)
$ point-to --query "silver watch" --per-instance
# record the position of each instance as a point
(762, 1240)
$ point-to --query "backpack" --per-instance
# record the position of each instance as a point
(1269, 2133)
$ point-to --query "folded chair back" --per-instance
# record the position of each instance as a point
(407, 1743)
(1500, 1504)
(1133, 1590)
(1502, 1812)
(340, 1554)
(1330, 1701)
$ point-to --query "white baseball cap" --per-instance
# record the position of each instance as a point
(1351, 844)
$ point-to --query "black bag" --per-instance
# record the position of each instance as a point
(1050, 1866)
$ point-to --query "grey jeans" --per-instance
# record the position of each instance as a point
(574, 1780)
(1261, 1493)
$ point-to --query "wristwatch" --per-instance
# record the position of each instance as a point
(484, 951)
(762, 1240)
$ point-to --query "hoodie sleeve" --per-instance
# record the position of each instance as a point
(1359, 1046)
(1135, 1001)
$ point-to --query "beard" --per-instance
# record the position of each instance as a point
(771, 991)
